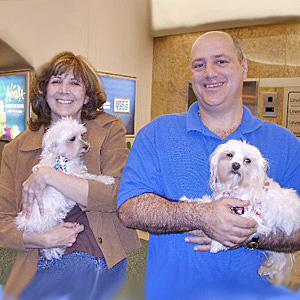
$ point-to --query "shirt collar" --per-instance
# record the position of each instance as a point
(194, 122)
(249, 122)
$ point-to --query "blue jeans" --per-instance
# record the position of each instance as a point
(76, 276)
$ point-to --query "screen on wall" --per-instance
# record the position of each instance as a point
(13, 104)
(120, 92)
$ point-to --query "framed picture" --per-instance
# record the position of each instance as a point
(14, 104)
(121, 94)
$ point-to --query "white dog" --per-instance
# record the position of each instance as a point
(63, 149)
(238, 170)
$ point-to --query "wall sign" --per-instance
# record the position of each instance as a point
(293, 112)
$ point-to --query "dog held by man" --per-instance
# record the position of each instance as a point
(238, 170)
(63, 149)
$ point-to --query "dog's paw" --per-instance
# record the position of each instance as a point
(20, 221)
(184, 198)
(35, 168)
(108, 180)
(216, 247)
(52, 253)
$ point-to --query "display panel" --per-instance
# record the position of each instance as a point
(13, 104)
(121, 94)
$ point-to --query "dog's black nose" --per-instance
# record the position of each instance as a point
(86, 147)
(236, 166)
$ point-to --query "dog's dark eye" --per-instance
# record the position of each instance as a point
(247, 160)
(229, 155)
(72, 139)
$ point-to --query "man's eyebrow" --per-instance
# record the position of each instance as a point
(220, 55)
(198, 59)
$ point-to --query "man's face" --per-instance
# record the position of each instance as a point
(217, 73)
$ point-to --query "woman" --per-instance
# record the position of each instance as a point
(94, 265)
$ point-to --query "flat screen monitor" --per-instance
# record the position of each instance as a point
(121, 98)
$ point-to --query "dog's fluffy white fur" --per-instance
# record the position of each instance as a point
(238, 170)
(64, 139)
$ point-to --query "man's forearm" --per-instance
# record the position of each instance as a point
(155, 214)
(281, 242)
(169, 216)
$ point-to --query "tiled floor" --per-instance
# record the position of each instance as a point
(133, 288)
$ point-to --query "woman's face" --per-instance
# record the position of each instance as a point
(66, 96)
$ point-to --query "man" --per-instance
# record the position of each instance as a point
(169, 159)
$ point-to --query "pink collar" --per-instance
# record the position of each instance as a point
(242, 210)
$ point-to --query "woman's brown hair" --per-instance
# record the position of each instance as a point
(60, 64)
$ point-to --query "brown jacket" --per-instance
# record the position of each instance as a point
(107, 155)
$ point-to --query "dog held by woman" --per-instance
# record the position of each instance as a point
(62, 149)
(238, 170)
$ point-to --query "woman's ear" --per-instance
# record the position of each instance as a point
(87, 98)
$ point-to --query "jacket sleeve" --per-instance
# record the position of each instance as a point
(10, 236)
(113, 156)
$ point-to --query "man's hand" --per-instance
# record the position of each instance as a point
(222, 225)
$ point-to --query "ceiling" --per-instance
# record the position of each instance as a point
(182, 16)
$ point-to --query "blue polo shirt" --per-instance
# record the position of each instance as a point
(170, 157)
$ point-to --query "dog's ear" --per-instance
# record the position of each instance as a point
(50, 142)
(50, 146)
(262, 170)
(259, 169)
(214, 158)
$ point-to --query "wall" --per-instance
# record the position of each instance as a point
(114, 35)
(271, 50)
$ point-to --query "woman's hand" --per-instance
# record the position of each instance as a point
(62, 235)
(200, 238)
(33, 189)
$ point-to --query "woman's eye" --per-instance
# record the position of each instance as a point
(229, 155)
(72, 139)
(55, 81)
(247, 160)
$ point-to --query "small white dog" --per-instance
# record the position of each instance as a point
(63, 149)
(238, 170)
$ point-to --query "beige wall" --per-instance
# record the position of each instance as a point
(114, 35)
(272, 52)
